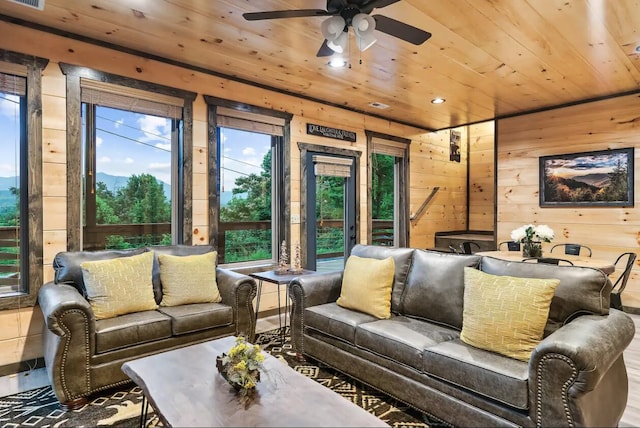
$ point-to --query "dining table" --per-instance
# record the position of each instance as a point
(605, 266)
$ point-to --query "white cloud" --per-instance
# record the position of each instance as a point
(104, 159)
(7, 170)
(155, 129)
(249, 151)
(162, 146)
(161, 170)
(118, 123)
(128, 160)
(227, 150)
(99, 141)
(10, 106)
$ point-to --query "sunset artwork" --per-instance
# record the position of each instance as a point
(602, 178)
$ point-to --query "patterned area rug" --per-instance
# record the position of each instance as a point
(121, 408)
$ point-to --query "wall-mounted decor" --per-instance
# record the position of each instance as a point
(325, 131)
(601, 178)
(454, 146)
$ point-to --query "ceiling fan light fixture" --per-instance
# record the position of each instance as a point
(337, 63)
(339, 44)
(332, 27)
(363, 27)
(365, 42)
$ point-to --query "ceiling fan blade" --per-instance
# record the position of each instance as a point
(324, 50)
(376, 4)
(401, 30)
(275, 14)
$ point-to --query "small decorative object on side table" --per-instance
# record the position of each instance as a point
(296, 266)
(241, 366)
(283, 267)
(531, 237)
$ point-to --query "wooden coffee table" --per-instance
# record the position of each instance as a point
(185, 389)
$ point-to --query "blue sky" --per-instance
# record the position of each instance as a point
(9, 142)
(242, 154)
(132, 143)
(588, 164)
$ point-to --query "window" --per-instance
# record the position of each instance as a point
(20, 176)
(133, 176)
(249, 158)
(389, 176)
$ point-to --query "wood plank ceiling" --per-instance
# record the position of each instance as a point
(487, 58)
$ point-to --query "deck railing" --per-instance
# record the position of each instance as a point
(9, 258)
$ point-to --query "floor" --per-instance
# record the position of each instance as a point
(631, 418)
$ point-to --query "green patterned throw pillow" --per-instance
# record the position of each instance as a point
(119, 286)
(505, 314)
(188, 279)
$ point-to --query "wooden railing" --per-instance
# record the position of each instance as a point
(9, 256)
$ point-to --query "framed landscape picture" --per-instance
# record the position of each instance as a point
(601, 178)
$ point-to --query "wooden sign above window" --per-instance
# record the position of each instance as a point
(325, 131)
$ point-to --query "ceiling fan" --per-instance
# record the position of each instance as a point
(350, 13)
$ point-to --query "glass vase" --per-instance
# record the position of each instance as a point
(532, 249)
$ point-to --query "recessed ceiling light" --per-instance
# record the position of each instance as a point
(337, 63)
(437, 100)
(376, 104)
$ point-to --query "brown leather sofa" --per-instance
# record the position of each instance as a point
(84, 355)
(576, 375)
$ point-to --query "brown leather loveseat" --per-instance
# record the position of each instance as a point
(84, 355)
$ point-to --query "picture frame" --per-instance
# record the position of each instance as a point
(601, 178)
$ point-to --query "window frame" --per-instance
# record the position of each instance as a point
(281, 179)
(31, 224)
(401, 178)
(182, 218)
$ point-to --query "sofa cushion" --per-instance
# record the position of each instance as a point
(402, 258)
(173, 250)
(198, 316)
(119, 286)
(335, 321)
(492, 375)
(402, 339)
(131, 329)
(67, 270)
(582, 290)
(435, 287)
(366, 285)
(188, 279)
(505, 314)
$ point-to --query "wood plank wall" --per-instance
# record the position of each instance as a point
(430, 166)
(601, 125)
(481, 177)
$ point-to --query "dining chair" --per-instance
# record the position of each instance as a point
(573, 249)
(511, 245)
(621, 282)
(550, 260)
(466, 247)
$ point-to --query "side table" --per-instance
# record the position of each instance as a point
(278, 279)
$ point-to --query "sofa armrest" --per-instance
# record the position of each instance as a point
(68, 339)
(577, 374)
(310, 290)
(238, 290)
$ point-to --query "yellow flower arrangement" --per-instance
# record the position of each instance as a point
(241, 366)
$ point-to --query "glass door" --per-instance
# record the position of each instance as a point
(331, 229)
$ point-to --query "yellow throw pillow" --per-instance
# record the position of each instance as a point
(366, 285)
(505, 314)
(119, 286)
(188, 279)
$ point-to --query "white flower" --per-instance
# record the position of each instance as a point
(531, 232)
(544, 232)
